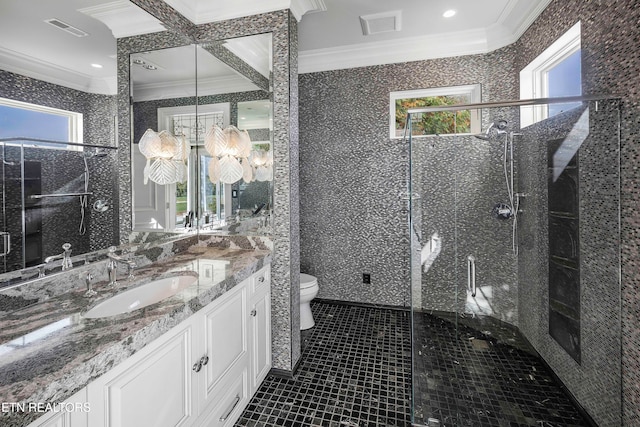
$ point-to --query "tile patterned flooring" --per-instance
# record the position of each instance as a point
(356, 372)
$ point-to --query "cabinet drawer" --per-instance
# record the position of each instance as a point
(230, 400)
(261, 282)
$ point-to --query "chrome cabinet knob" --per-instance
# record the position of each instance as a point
(254, 313)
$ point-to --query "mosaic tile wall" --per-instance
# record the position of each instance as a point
(595, 379)
(285, 266)
(352, 174)
(610, 64)
(460, 180)
(64, 169)
(350, 132)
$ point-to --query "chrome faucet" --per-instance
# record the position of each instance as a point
(64, 256)
(112, 266)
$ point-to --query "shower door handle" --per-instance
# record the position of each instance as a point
(6, 243)
(471, 274)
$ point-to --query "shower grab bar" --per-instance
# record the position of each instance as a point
(471, 274)
(42, 196)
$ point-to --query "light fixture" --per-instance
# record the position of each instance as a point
(230, 150)
(169, 155)
(449, 13)
(96, 65)
(232, 158)
(262, 164)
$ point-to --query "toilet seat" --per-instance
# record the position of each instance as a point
(307, 281)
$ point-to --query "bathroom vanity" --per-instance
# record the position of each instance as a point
(194, 358)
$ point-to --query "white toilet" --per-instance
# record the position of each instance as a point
(308, 291)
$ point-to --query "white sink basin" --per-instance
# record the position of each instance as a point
(142, 296)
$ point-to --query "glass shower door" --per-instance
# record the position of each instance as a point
(515, 242)
(437, 292)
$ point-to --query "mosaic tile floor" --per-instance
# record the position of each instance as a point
(355, 372)
(481, 381)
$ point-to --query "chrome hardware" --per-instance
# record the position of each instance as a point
(254, 312)
(471, 274)
(502, 211)
(233, 406)
(200, 363)
(6, 243)
(87, 280)
(41, 270)
(112, 266)
(65, 256)
(405, 195)
(261, 279)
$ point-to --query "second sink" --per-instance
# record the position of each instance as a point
(143, 295)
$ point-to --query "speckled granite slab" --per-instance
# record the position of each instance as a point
(48, 350)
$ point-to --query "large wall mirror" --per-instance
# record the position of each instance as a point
(202, 101)
(69, 189)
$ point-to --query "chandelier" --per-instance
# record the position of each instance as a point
(166, 157)
(232, 158)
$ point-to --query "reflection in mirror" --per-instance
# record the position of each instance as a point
(53, 170)
(231, 76)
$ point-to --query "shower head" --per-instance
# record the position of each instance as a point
(500, 126)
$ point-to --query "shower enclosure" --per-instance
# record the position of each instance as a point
(54, 193)
(515, 265)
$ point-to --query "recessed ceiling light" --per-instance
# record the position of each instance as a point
(150, 67)
(96, 65)
(449, 13)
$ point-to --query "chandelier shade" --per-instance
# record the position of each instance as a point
(166, 157)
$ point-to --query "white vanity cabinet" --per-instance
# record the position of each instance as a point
(202, 372)
(260, 327)
(72, 413)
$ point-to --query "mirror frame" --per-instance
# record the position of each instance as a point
(285, 265)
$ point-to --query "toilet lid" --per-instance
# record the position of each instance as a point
(306, 281)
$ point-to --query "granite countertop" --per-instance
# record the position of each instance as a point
(49, 351)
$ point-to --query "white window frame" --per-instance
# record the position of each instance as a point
(473, 91)
(165, 115)
(534, 81)
(74, 121)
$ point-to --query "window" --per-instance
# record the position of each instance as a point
(24, 120)
(183, 198)
(556, 72)
(436, 123)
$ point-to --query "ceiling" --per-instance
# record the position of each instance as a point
(330, 32)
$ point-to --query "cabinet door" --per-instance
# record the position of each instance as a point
(225, 336)
(73, 413)
(153, 388)
(261, 340)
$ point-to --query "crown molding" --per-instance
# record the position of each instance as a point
(201, 12)
(186, 88)
(124, 18)
(204, 12)
(393, 51)
(505, 31)
(300, 7)
(18, 63)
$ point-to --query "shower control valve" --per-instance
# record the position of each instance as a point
(502, 211)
